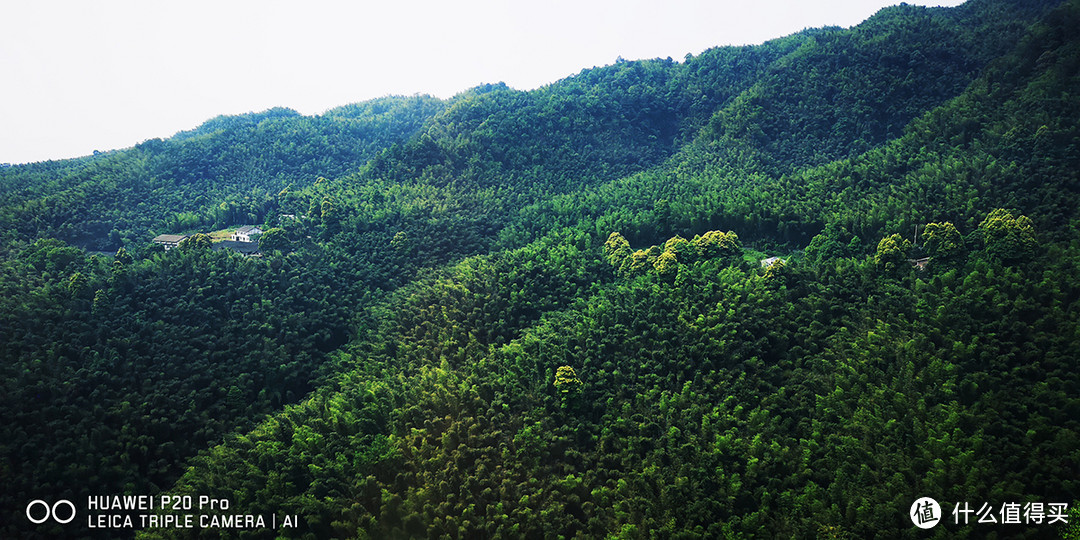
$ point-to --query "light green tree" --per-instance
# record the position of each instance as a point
(122, 256)
(667, 264)
(1007, 238)
(400, 241)
(327, 208)
(77, 283)
(716, 244)
(942, 241)
(892, 252)
(617, 251)
(121, 260)
(685, 252)
(1071, 530)
(567, 381)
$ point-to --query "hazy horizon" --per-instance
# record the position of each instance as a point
(108, 75)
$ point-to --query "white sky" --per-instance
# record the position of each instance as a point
(78, 76)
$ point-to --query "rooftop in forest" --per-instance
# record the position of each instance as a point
(169, 238)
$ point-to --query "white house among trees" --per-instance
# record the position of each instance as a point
(245, 233)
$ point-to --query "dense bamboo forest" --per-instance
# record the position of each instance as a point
(780, 290)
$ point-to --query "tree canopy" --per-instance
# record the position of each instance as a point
(780, 290)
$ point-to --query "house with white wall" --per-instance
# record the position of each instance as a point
(245, 233)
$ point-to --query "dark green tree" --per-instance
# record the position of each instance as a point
(275, 239)
(198, 241)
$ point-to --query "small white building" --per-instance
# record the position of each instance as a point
(244, 234)
(169, 240)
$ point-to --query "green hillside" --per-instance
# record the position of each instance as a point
(542, 314)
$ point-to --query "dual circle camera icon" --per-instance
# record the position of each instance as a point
(39, 511)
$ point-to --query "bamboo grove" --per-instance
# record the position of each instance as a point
(779, 290)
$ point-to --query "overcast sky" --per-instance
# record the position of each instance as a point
(79, 76)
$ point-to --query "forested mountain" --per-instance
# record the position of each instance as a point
(220, 173)
(543, 314)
